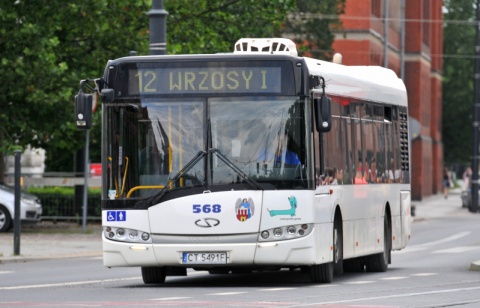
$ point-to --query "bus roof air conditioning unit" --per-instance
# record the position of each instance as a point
(271, 46)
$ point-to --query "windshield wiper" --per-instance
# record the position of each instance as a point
(242, 174)
(146, 203)
(209, 169)
(158, 196)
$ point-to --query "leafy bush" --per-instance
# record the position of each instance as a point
(60, 203)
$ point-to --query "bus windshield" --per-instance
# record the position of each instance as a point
(219, 143)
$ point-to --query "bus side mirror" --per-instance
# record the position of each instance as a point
(83, 110)
(323, 113)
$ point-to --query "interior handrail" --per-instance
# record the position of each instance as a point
(131, 191)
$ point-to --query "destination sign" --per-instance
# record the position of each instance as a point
(205, 80)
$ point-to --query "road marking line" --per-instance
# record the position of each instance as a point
(64, 284)
(168, 298)
(409, 249)
(447, 239)
(413, 248)
(6, 272)
(388, 296)
(227, 293)
(393, 278)
(277, 289)
(425, 274)
(456, 249)
(360, 282)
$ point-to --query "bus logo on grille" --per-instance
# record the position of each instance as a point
(207, 222)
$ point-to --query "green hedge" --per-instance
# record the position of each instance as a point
(69, 191)
(59, 202)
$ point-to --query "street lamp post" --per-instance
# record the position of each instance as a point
(158, 28)
(16, 214)
(476, 116)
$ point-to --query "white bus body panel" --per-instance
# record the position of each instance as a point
(173, 222)
(121, 253)
(371, 83)
(174, 228)
(362, 207)
(116, 254)
(179, 216)
(406, 217)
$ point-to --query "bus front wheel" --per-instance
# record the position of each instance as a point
(153, 275)
(379, 262)
(321, 273)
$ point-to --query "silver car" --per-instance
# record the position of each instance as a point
(30, 207)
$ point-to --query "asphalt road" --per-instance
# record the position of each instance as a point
(433, 271)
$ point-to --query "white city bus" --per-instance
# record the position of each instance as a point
(254, 160)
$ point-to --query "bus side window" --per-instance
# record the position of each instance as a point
(331, 168)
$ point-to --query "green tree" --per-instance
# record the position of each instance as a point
(49, 46)
(310, 25)
(211, 26)
(458, 48)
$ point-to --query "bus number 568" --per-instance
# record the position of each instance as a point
(207, 208)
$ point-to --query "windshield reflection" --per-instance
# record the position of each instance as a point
(156, 145)
(263, 138)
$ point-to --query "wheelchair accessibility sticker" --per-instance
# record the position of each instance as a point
(116, 216)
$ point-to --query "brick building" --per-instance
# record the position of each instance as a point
(414, 51)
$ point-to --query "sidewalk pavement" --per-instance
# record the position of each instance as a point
(436, 206)
(47, 240)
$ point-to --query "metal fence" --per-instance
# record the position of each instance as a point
(66, 208)
(61, 207)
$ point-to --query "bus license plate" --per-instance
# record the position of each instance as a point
(204, 258)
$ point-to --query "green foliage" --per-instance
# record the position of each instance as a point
(49, 46)
(310, 26)
(459, 42)
(60, 190)
(205, 26)
(59, 202)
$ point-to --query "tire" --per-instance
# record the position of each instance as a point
(5, 219)
(337, 246)
(321, 273)
(153, 275)
(379, 262)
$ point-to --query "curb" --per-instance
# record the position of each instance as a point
(21, 259)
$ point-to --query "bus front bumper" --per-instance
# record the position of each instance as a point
(301, 251)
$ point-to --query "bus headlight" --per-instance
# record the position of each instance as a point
(133, 234)
(120, 232)
(126, 235)
(285, 233)
(291, 230)
(145, 236)
(278, 232)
